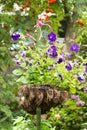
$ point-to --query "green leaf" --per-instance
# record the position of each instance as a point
(19, 119)
(23, 64)
(6, 110)
(73, 90)
(18, 72)
(22, 79)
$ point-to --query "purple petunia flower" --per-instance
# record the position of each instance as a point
(15, 37)
(53, 47)
(81, 77)
(74, 48)
(85, 89)
(17, 61)
(23, 54)
(61, 58)
(52, 37)
(75, 97)
(68, 66)
(80, 103)
(86, 68)
(51, 52)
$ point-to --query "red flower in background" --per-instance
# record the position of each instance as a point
(81, 22)
(51, 1)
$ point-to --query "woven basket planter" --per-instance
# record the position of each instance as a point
(44, 96)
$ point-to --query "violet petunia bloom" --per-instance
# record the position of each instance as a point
(80, 103)
(75, 97)
(61, 58)
(86, 68)
(23, 54)
(81, 77)
(15, 37)
(17, 61)
(52, 37)
(68, 66)
(53, 47)
(51, 52)
(74, 48)
(85, 90)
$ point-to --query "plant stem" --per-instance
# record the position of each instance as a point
(38, 112)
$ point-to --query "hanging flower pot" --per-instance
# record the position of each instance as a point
(43, 96)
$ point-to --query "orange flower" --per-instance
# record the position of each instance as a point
(51, 1)
(49, 10)
(81, 22)
(26, 5)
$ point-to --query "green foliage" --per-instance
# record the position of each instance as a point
(72, 117)
(8, 99)
(82, 35)
(29, 123)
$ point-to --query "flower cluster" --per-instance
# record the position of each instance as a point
(52, 51)
(41, 63)
(78, 101)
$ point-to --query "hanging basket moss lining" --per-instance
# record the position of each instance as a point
(43, 96)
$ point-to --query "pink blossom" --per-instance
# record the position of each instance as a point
(39, 23)
(30, 36)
